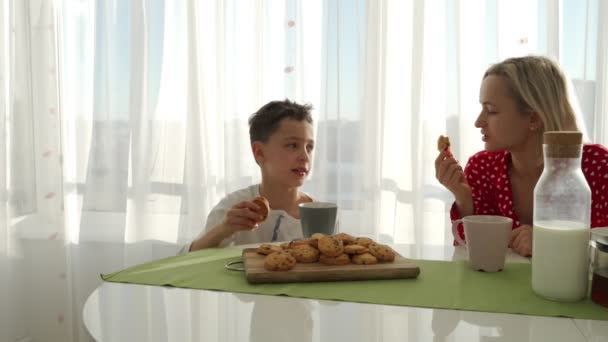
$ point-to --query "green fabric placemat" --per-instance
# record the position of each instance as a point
(441, 284)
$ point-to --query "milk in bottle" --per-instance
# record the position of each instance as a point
(562, 212)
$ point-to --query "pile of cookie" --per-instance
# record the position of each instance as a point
(339, 249)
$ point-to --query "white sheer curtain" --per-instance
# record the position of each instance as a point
(124, 122)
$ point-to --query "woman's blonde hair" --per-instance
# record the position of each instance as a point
(538, 85)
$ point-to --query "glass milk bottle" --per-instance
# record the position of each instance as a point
(562, 213)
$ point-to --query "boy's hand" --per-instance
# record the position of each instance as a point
(521, 240)
(242, 216)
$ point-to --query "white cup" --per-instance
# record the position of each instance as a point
(487, 242)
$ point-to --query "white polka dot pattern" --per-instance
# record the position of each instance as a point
(487, 174)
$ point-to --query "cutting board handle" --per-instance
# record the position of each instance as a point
(231, 265)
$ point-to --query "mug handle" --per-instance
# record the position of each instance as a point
(457, 237)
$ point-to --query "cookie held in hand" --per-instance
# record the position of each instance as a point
(264, 207)
(443, 143)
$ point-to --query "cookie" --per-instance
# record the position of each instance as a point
(355, 249)
(264, 207)
(364, 259)
(299, 242)
(330, 246)
(317, 236)
(346, 239)
(443, 143)
(266, 249)
(342, 259)
(280, 261)
(363, 241)
(285, 245)
(315, 239)
(382, 252)
(305, 253)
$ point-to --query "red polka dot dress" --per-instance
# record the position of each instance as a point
(487, 174)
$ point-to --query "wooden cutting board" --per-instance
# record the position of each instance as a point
(256, 274)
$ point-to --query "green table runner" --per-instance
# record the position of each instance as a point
(441, 284)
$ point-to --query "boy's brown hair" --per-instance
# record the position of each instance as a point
(264, 122)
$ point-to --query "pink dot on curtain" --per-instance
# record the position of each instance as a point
(53, 236)
(47, 153)
(291, 23)
(49, 195)
(53, 110)
(60, 318)
(289, 69)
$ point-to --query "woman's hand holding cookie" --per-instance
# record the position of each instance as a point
(443, 144)
(448, 171)
(451, 175)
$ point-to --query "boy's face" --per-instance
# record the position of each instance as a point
(286, 158)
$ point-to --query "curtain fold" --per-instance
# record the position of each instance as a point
(122, 123)
(35, 266)
(600, 123)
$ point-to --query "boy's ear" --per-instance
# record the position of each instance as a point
(258, 151)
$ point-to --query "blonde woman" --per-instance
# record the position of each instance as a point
(520, 99)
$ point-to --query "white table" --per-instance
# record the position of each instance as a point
(125, 312)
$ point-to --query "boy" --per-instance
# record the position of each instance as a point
(282, 143)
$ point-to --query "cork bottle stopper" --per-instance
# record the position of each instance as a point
(563, 144)
(564, 138)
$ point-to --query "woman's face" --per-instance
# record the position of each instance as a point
(503, 125)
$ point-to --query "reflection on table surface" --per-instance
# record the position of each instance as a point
(126, 312)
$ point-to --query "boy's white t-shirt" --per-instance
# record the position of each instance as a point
(278, 226)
